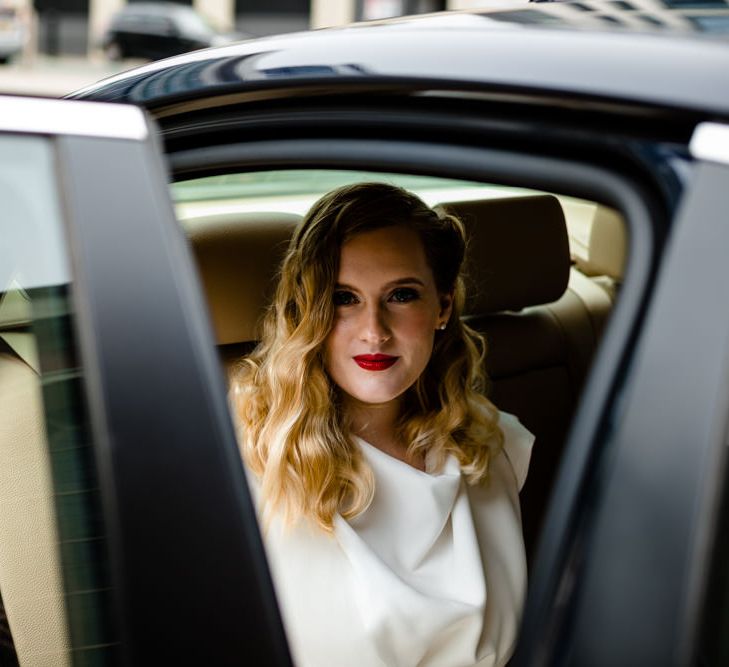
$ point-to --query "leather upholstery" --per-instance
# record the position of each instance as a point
(518, 252)
(606, 247)
(30, 572)
(238, 257)
(542, 321)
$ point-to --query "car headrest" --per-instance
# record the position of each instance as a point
(238, 256)
(518, 252)
(605, 251)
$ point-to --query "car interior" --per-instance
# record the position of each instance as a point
(543, 273)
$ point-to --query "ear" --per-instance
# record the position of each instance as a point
(446, 308)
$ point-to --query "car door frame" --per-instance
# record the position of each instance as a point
(549, 630)
(663, 477)
(189, 577)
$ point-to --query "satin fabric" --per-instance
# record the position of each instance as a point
(432, 574)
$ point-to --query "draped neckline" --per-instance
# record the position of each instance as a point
(416, 556)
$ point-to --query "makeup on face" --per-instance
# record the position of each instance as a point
(375, 362)
(387, 309)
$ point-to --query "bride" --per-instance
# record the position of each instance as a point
(386, 482)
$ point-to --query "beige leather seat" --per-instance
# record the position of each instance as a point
(542, 320)
(31, 582)
(238, 257)
(603, 256)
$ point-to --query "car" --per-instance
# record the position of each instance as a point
(586, 147)
(13, 32)
(154, 30)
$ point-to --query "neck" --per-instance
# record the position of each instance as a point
(372, 422)
(377, 424)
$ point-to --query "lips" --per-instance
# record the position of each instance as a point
(375, 362)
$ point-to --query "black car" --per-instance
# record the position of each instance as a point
(155, 30)
(586, 147)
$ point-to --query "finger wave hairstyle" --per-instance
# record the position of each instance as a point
(292, 433)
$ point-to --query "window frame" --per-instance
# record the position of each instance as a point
(184, 546)
(176, 496)
(593, 180)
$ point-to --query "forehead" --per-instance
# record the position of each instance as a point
(387, 253)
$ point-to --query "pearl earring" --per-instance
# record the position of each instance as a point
(442, 326)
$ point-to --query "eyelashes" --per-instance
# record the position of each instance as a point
(398, 295)
(344, 298)
(404, 295)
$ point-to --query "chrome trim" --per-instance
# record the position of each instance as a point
(86, 119)
(710, 142)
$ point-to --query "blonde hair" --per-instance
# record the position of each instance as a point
(291, 431)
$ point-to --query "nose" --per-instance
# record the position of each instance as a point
(374, 327)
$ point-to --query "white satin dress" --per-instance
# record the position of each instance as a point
(432, 574)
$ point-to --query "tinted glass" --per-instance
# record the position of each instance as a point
(53, 574)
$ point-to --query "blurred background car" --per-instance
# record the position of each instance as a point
(155, 30)
(13, 32)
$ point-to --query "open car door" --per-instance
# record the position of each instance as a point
(127, 535)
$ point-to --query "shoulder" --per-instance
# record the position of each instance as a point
(518, 442)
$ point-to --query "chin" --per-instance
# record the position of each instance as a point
(375, 397)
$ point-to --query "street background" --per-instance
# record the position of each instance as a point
(56, 76)
(62, 50)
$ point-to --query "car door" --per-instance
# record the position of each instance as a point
(623, 560)
(127, 535)
(633, 584)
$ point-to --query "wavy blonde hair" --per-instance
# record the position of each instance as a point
(291, 429)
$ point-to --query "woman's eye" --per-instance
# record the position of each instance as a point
(344, 298)
(404, 295)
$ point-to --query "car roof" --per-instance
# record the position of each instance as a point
(597, 48)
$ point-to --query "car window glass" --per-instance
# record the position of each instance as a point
(53, 569)
(193, 24)
(147, 23)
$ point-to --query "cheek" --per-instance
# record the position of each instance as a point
(345, 329)
(418, 327)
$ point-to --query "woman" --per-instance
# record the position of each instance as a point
(387, 483)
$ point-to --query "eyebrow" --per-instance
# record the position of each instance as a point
(394, 283)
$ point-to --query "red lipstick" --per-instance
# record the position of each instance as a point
(375, 362)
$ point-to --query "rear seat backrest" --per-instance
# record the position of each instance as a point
(30, 570)
(604, 257)
(540, 334)
(238, 257)
(518, 252)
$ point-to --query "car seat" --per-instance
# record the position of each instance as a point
(542, 320)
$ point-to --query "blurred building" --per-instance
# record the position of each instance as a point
(325, 13)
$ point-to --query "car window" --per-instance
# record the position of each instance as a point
(544, 272)
(145, 23)
(191, 23)
(53, 574)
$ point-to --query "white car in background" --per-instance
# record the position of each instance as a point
(13, 32)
